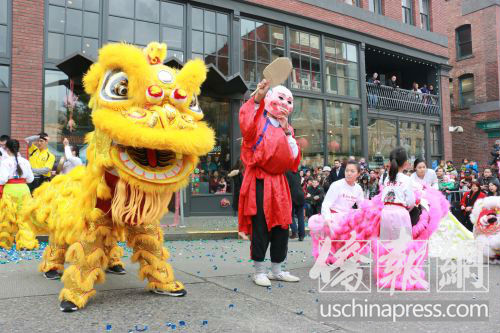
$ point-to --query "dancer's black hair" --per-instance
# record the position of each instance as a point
(398, 158)
(13, 146)
(417, 162)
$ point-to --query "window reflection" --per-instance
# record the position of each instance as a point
(66, 112)
(382, 138)
(305, 53)
(341, 68)
(307, 122)
(343, 130)
(209, 38)
(412, 138)
(68, 22)
(261, 43)
(210, 176)
(4, 76)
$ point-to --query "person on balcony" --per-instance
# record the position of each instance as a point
(372, 95)
(393, 82)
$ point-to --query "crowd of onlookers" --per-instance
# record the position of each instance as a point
(43, 163)
(452, 181)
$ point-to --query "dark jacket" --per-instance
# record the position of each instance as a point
(318, 191)
(333, 175)
(494, 154)
(298, 197)
(392, 84)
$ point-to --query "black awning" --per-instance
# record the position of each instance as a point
(216, 82)
(75, 65)
(173, 62)
(219, 84)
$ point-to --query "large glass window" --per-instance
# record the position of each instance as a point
(412, 138)
(425, 22)
(341, 68)
(375, 6)
(435, 131)
(261, 43)
(382, 138)
(210, 176)
(464, 41)
(73, 26)
(3, 26)
(452, 101)
(307, 121)
(305, 54)
(343, 130)
(466, 86)
(210, 38)
(66, 111)
(142, 21)
(356, 3)
(4, 77)
(407, 9)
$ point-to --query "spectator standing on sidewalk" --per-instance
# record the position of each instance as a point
(70, 160)
(314, 196)
(494, 188)
(298, 201)
(40, 158)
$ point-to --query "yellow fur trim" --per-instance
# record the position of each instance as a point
(198, 141)
(191, 77)
(156, 51)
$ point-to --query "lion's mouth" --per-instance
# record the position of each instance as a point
(152, 164)
(153, 158)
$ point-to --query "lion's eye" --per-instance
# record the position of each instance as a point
(121, 88)
(115, 86)
(165, 77)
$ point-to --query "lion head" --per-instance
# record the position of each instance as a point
(148, 127)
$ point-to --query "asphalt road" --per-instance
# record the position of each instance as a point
(221, 298)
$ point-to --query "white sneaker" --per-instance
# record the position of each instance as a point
(261, 280)
(283, 276)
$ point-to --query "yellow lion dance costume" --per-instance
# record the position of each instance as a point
(147, 141)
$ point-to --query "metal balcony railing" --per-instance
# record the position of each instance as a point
(386, 98)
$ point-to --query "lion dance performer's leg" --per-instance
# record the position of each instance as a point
(114, 252)
(17, 194)
(89, 261)
(53, 257)
(7, 222)
(147, 242)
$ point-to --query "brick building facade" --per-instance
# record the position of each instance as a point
(334, 47)
(479, 117)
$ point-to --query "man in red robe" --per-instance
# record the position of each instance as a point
(269, 149)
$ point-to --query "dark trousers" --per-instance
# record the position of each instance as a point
(37, 182)
(261, 236)
(298, 211)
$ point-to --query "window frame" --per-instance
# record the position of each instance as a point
(377, 6)
(425, 16)
(459, 43)
(5, 57)
(255, 61)
(405, 9)
(82, 36)
(189, 47)
(463, 77)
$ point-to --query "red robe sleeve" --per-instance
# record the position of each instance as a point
(462, 202)
(248, 119)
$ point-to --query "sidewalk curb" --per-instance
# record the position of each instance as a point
(188, 236)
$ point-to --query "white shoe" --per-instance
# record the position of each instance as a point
(261, 280)
(283, 276)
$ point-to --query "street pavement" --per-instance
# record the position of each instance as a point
(221, 298)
